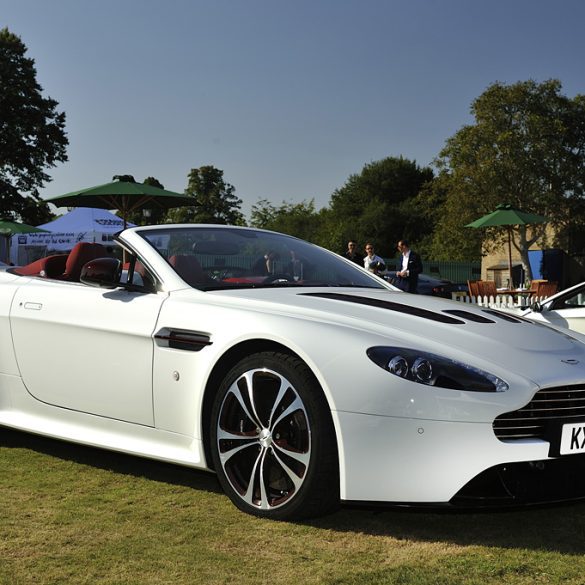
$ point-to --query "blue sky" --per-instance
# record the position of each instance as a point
(287, 97)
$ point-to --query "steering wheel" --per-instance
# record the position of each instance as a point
(223, 272)
(279, 277)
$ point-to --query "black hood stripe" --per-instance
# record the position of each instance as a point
(390, 306)
(469, 316)
(505, 316)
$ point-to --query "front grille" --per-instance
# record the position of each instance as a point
(562, 404)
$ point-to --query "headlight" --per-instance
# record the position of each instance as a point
(434, 370)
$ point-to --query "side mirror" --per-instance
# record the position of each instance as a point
(536, 307)
(102, 272)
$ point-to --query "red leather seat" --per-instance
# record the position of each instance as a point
(189, 269)
(54, 266)
(82, 253)
(47, 267)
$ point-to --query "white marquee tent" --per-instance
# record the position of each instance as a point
(82, 224)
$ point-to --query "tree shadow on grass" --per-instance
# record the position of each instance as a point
(112, 461)
(559, 528)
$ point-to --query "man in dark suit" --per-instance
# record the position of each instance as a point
(353, 253)
(411, 267)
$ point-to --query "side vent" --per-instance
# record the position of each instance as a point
(181, 339)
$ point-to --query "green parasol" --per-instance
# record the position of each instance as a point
(125, 195)
(8, 228)
(508, 216)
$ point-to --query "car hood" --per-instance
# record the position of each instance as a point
(451, 328)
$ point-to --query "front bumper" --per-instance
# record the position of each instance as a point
(415, 461)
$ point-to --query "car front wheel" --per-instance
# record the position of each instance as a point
(273, 442)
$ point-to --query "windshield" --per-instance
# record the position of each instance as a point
(213, 258)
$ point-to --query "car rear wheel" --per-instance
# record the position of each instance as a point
(272, 439)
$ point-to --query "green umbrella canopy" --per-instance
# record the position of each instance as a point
(9, 228)
(507, 215)
(125, 195)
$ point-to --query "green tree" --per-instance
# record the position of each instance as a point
(214, 200)
(32, 136)
(527, 148)
(377, 205)
(296, 219)
(441, 242)
(263, 214)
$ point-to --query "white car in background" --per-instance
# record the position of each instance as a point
(565, 309)
(296, 376)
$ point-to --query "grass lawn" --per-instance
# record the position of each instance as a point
(77, 515)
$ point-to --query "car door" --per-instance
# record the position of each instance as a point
(87, 349)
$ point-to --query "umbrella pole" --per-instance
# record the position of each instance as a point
(124, 255)
(511, 282)
(124, 214)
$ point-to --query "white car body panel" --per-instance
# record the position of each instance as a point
(19, 410)
(449, 453)
(573, 319)
(564, 310)
(84, 364)
(64, 337)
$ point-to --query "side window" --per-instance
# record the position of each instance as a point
(135, 272)
(574, 301)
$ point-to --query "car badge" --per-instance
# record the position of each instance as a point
(571, 362)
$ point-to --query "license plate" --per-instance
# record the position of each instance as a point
(573, 438)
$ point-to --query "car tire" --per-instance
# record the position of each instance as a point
(273, 442)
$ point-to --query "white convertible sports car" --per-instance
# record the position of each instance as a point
(298, 377)
(566, 309)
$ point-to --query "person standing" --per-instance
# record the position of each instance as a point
(352, 253)
(372, 262)
(411, 267)
(265, 266)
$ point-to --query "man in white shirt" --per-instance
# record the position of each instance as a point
(372, 262)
